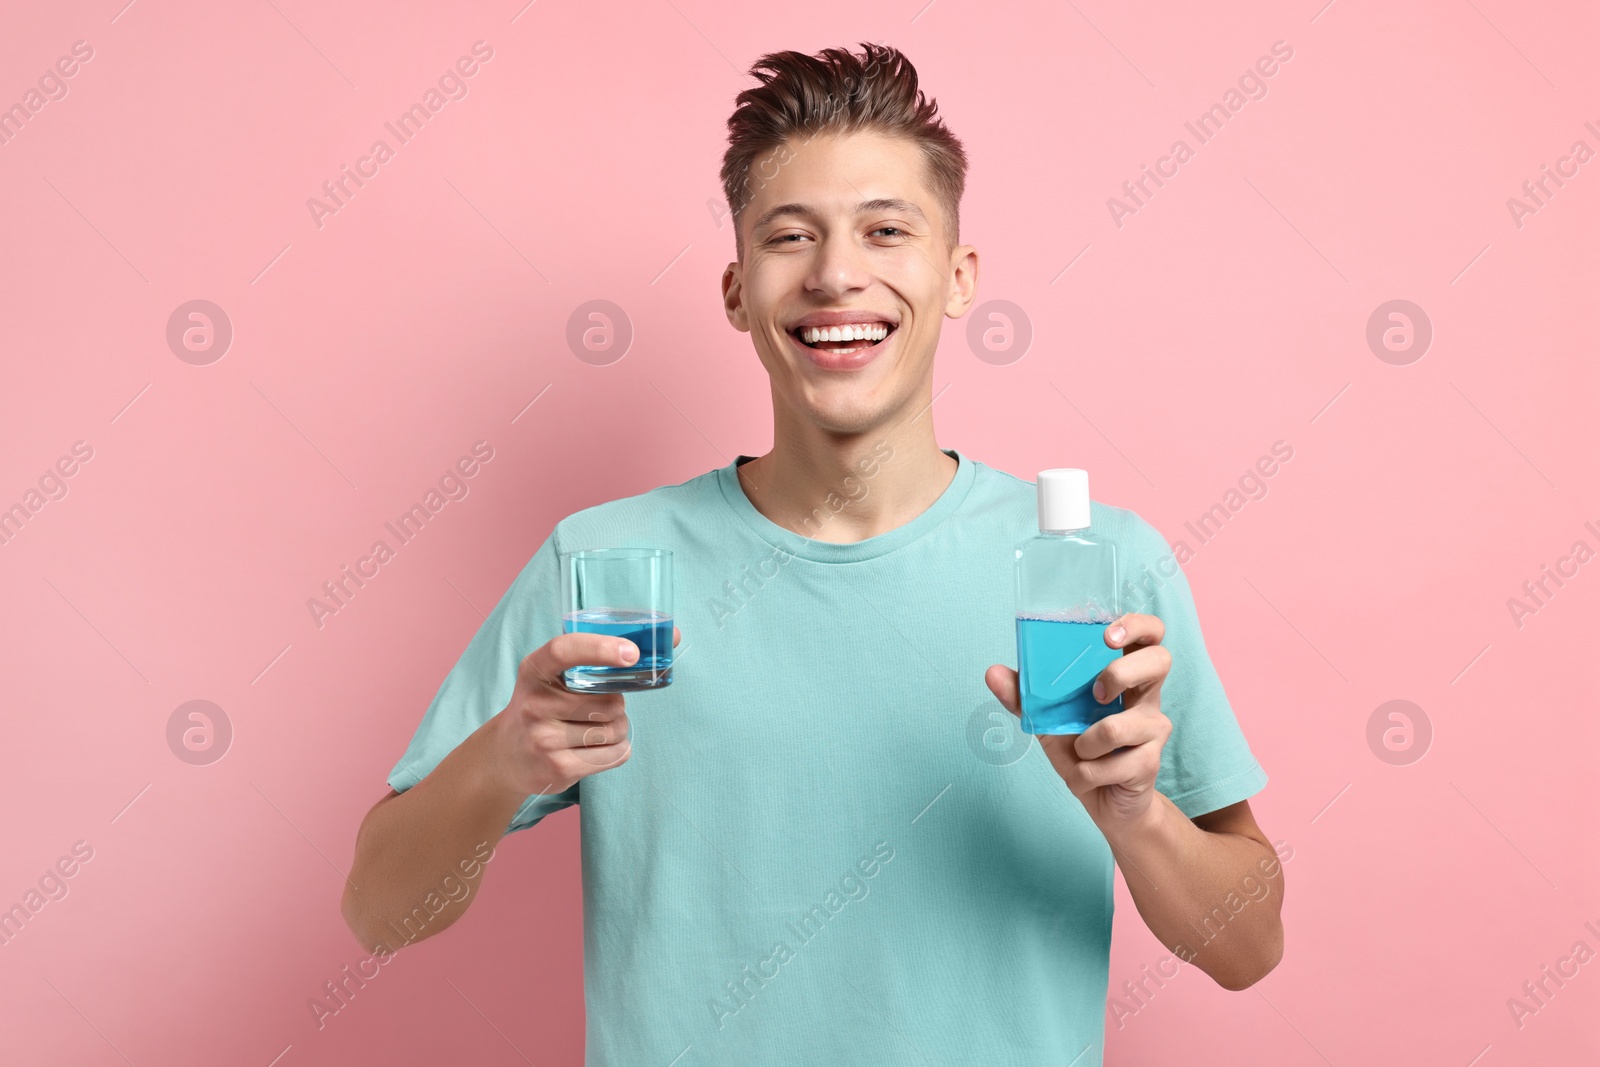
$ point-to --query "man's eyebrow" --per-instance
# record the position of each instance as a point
(890, 203)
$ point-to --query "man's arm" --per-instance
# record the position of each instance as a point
(1180, 871)
(545, 740)
(411, 842)
(1211, 888)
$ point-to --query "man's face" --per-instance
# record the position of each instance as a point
(844, 230)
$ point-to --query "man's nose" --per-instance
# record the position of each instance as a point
(840, 266)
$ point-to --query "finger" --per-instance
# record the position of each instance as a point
(596, 734)
(1059, 747)
(1133, 630)
(1123, 729)
(1142, 666)
(1002, 682)
(1128, 767)
(599, 757)
(585, 708)
(578, 650)
(675, 637)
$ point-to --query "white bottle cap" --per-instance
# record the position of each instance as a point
(1063, 499)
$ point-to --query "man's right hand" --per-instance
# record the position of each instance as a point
(549, 737)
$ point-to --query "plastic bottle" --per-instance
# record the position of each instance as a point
(1067, 583)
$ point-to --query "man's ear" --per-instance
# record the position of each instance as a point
(963, 281)
(733, 297)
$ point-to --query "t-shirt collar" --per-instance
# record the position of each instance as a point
(827, 511)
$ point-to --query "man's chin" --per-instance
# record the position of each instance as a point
(844, 415)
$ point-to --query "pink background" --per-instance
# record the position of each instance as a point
(1228, 313)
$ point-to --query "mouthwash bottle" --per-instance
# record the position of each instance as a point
(1066, 596)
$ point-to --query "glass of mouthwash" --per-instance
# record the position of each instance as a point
(1066, 596)
(620, 592)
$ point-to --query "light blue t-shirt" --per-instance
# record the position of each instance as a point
(831, 844)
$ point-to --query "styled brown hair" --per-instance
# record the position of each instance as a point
(837, 92)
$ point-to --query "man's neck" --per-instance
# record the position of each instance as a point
(847, 488)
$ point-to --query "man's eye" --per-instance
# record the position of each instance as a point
(897, 231)
(785, 237)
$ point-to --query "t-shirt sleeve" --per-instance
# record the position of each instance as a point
(1206, 764)
(482, 681)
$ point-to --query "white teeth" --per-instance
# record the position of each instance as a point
(853, 332)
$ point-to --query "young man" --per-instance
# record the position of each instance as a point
(825, 843)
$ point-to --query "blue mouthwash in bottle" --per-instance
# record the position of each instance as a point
(1066, 596)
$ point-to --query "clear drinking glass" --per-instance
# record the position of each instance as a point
(620, 592)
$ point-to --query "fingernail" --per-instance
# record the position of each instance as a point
(1116, 633)
(629, 652)
(1099, 692)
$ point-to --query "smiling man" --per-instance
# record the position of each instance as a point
(827, 842)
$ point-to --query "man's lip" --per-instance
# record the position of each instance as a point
(825, 360)
(842, 318)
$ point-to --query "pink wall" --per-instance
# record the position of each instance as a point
(368, 353)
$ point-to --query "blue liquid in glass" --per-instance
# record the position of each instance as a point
(651, 631)
(1057, 663)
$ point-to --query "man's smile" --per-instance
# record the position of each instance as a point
(842, 340)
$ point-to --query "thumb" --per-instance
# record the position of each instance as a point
(1002, 682)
